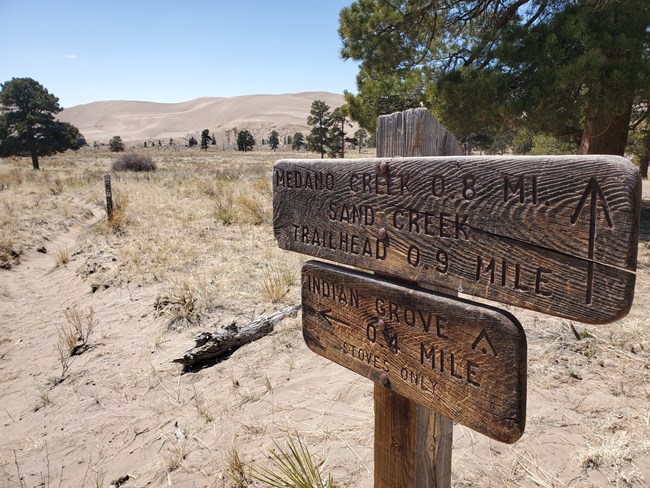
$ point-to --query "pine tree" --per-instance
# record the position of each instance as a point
(205, 139)
(571, 69)
(245, 141)
(298, 141)
(320, 119)
(274, 140)
(27, 124)
(336, 133)
(361, 137)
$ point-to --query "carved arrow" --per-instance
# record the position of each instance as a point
(594, 191)
(327, 315)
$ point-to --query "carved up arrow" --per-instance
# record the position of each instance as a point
(593, 189)
(327, 315)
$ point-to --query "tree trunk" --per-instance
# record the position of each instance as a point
(645, 151)
(35, 161)
(643, 165)
(605, 133)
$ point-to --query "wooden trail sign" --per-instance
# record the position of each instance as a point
(554, 234)
(462, 359)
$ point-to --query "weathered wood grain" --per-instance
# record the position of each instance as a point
(414, 132)
(554, 234)
(464, 360)
(422, 438)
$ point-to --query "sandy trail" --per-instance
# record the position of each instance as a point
(120, 408)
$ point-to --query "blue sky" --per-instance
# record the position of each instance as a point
(173, 51)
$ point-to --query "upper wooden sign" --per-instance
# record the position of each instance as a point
(464, 360)
(554, 234)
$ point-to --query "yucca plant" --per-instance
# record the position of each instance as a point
(292, 467)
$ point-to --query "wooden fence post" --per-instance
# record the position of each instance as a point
(412, 443)
(109, 197)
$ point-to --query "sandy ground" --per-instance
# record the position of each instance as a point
(124, 408)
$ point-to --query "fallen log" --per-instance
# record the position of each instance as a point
(212, 346)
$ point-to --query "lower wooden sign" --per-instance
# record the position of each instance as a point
(464, 360)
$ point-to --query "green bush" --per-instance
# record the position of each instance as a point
(133, 162)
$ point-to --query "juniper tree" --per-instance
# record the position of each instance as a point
(116, 144)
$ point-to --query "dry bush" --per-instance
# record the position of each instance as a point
(185, 301)
(9, 255)
(75, 335)
(133, 162)
(73, 338)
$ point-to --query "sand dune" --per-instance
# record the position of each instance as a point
(137, 121)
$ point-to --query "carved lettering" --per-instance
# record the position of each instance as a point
(450, 363)
(519, 186)
(351, 214)
(340, 241)
(443, 224)
(375, 184)
(524, 278)
(365, 356)
(336, 292)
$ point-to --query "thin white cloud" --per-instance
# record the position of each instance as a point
(70, 56)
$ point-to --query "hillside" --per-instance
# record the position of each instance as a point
(137, 121)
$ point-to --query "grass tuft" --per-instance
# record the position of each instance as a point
(61, 257)
(237, 472)
(276, 283)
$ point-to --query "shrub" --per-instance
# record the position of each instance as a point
(133, 162)
(116, 144)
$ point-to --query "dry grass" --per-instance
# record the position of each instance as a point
(9, 255)
(61, 257)
(186, 301)
(236, 470)
(73, 338)
(276, 283)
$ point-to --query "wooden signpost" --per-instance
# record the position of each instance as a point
(109, 196)
(438, 351)
(553, 234)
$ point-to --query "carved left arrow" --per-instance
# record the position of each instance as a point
(594, 191)
(327, 315)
